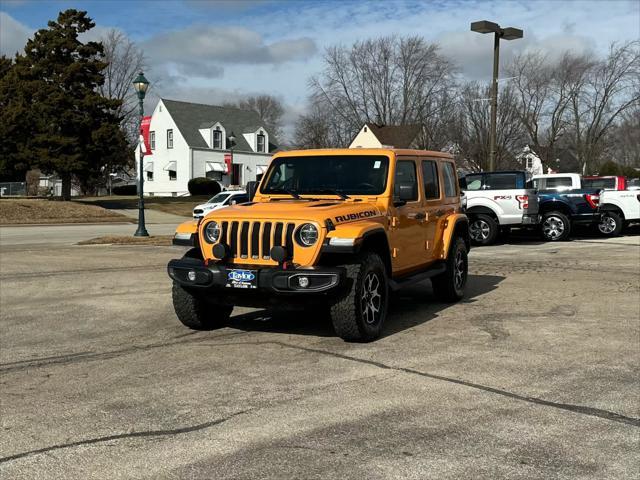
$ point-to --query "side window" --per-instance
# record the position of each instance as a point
(449, 175)
(558, 182)
(502, 181)
(170, 138)
(406, 185)
(474, 182)
(430, 177)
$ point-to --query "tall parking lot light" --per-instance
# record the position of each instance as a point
(510, 33)
(141, 85)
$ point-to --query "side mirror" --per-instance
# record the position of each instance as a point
(251, 190)
(233, 202)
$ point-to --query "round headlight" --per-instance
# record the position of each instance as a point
(307, 234)
(212, 232)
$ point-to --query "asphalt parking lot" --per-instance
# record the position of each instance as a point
(534, 375)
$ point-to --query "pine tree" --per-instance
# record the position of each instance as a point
(61, 123)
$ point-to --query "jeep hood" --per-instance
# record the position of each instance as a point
(337, 211)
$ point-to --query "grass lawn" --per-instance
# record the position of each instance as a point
(129, 240)
(30, 211)
(176, 205)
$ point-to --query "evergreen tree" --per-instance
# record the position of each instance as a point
(60, 121)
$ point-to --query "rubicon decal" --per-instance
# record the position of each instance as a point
(356, 216)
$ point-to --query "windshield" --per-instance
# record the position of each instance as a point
(328, 175)
(219, 198)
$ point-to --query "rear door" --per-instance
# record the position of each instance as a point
(433, 198)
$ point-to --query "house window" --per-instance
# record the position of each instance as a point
(149, 176)
(529, 162)
(172, 175)
(152, 140)
(170, 138)
(217, 139)
(261, 142)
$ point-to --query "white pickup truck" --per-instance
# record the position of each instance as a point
(618, 208)
(498, 201)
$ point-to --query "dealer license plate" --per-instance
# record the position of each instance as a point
(242, 279)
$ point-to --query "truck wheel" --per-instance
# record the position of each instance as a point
(449, 285)
(196, 313)
(483, 229)
(359, 316)
(610, 224)
(555, 226)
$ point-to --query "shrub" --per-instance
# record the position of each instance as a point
(125, 190)
(203, 186)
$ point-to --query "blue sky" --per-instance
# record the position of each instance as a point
(210, 51)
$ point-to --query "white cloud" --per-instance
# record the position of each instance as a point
(13, 35)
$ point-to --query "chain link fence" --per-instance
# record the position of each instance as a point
(13, 189)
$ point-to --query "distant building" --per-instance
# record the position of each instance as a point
(530, 161)
(189, 140)
(379, 136)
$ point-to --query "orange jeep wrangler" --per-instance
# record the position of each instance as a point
(336, 229)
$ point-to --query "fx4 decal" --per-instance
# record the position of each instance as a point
(356, 216)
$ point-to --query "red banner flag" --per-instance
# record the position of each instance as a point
(228, 159)
(146, 123)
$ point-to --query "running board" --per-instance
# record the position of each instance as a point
(435, 269)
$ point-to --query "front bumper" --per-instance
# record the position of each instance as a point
(198, 277)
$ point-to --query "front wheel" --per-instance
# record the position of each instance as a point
(610, 224)
(360, 314)
(483, 229)
(196, 313)
(449, 285)
(556, 226)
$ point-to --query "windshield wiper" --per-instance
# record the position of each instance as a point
(287, 191)
(332, 191)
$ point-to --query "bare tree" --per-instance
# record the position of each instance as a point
(600, 95)
(124, 60)
(389, 80)
(270, 110)
(470, 130)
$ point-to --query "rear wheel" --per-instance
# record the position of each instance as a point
(610, 224)
(483, 229)
(556, 226)
(360, 314)
(449, 285)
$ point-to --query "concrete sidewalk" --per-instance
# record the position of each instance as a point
(154, 216)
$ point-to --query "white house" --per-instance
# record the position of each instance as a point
(189, 140)
(530, 161)
(378, 136)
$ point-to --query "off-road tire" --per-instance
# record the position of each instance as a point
(196, 313)
(449, 286)
(610, 224)
(348, 315)
(483, 229)
(562, 229)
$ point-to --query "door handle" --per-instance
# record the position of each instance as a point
(417, 216)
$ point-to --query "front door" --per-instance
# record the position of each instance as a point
(407, 252)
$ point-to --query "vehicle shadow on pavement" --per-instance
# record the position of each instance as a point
(578, 232)
(409, 307)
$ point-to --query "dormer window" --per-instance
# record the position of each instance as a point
(261, 143)
(217, 138)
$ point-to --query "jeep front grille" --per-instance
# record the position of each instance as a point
(254, 240)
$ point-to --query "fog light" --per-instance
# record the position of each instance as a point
(303, 282)
(191, 276)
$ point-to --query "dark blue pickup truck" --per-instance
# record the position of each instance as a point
(561, 210)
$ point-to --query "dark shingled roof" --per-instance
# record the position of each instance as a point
(191, 117)
(397, 136)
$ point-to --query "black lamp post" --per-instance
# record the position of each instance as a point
(509, 33)
(141, 85)
(232, 142)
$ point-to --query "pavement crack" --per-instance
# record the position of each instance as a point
(119, 436)
(584, 410)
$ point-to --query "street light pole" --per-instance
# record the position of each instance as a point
(232, 142)
(141, 84)
(509, 33)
